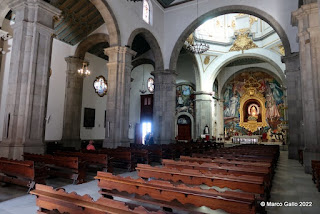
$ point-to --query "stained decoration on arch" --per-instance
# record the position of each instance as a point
(150, 85)
(100, 86)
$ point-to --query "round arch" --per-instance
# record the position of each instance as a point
(192, 123)
(138, 62)
(225, 10)
(149, 37)
(90, 41)
(110, 20)
(232, 56)
(281, 81)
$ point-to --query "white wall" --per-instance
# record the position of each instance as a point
(90, 99)
(57, 85)
(136, 85)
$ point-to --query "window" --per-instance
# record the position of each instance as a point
(146, 11)
(150, 85)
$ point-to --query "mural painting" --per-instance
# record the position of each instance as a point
(185, 97)
(273, 94)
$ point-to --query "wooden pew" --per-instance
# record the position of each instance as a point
(315, 164)
(98, 161)
(58, 201)
(68, 167)
(252, 184)
(165, 194)
(23, 173)
(221, 169)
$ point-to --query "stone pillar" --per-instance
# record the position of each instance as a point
(119, 79)
(294, 104)
(164, 106)
(72, 104)
(204, 112)
(28, 78)
(307, 20)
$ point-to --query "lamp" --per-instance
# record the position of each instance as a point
(196, 45)
(84, 71)
(143, 87)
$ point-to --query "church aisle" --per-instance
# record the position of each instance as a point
(291, 184)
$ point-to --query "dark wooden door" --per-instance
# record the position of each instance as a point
(146, 108)
(184, 132)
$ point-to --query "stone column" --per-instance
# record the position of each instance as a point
(204, 114)
(164, 106)
(307, 20)
(72, 104)
(28, 78)
(294, 104)
(119, 79)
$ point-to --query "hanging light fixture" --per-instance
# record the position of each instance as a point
(196, 45)
(134, 0)
(143, 86)
(84, 71)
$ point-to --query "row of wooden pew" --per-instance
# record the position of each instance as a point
(175, 185)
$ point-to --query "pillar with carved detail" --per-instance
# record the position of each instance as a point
(294, 104)
(28, 78)
(164, 106)
(72, 104)
(117, 109)
(307, 20)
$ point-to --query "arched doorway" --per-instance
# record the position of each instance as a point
(184, 128)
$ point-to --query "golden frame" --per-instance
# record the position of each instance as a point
(252, 94)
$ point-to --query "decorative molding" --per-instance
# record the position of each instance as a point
(243, 42)
(5, 35)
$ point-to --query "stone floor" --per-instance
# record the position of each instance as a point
(290, 184)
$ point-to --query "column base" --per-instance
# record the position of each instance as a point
(293, 151)
(307, 157)
(16, 151)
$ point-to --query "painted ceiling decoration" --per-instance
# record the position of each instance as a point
(79, 18)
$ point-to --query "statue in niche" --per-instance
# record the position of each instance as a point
(253, 112)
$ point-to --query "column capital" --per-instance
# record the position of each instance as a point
(73, 64)
(119, 49)
(292, 62)
(303, 11)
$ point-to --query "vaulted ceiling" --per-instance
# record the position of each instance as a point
(170, 3)
(79, 19)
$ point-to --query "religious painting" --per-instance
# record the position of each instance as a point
(184, 99)
(272, 93)
(100, 85)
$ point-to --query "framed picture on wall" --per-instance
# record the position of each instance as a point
(89, 117)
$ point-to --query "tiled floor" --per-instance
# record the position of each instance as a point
(290, 184)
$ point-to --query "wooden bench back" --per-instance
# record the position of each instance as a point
(22, 169)
(61, 161)
(50, 200)
(87, 157)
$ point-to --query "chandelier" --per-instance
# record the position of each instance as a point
(196, 45)
(134, 0)
(84, 71)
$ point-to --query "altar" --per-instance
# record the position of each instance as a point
(246, 139)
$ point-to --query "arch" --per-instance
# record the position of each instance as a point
(149, 37)
(225, 10)
(110, 20)
(4, 5)
(90, 41)
(192, 123)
